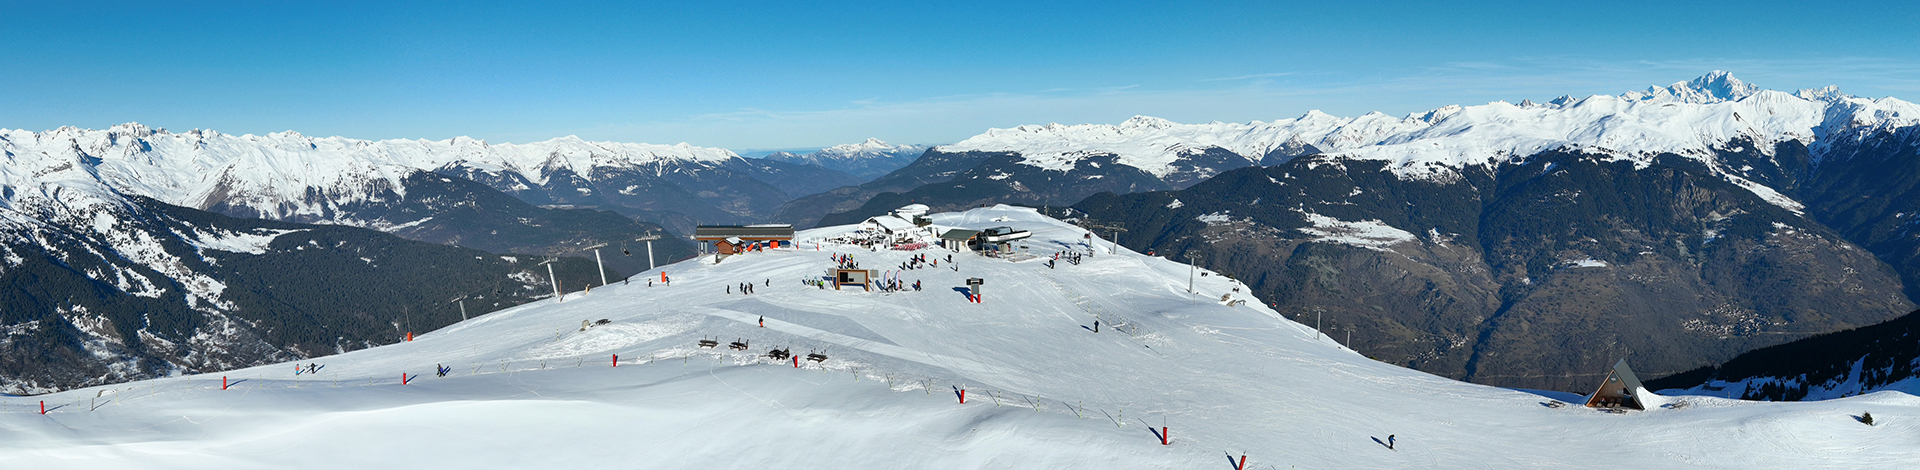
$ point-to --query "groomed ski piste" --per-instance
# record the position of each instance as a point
(529, 388)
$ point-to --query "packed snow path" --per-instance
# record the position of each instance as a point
(529, 388)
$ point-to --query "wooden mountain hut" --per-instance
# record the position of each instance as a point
(1621, 389)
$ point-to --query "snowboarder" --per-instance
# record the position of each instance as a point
(763, 321)
(1389, 442)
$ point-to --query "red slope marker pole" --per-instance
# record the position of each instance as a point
(1243, 461)
(404, 378)
(223, 382)
(616, 360)
(963, 396)
(43, 407)
(796, 362)
(1163, 435)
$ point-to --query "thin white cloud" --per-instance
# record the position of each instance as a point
(1250, 77)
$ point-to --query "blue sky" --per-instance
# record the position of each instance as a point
(754, 75)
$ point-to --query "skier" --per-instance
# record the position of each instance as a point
(729, 289)
(763, 321)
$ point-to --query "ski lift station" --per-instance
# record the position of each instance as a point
(733, 239)
(999, 238)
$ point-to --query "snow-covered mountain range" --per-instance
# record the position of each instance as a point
(866, 160)
(1697, 120)
(1690, 118)
(1174, 379)
(289, 176)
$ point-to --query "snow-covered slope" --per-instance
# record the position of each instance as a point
(1687, 118)
(529, 387)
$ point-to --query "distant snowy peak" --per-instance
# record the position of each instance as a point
(1155, 145)
(868, 159)
(276, 174)
(1688, 118)
(1714, 87)
(872, 145)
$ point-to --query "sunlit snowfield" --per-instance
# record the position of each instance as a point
(529, 389)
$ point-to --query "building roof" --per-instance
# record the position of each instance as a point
(959, 234)
(891, 223)
(721, 232)
(911, 210)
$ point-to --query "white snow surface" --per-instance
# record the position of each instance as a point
(529, 389)
(1369, 234)
(1687, 118)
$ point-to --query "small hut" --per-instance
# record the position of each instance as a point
(1621, 389)
(732, 239)
(956, 239)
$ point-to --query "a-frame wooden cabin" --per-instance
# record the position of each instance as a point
(1621, 389)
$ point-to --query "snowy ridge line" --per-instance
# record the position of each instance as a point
(200, 168)
(1691, 119)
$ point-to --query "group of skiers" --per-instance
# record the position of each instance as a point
(891, 282)
(747, 287)
(920, 261)
(1072, 257)
(308, 369)
(845, 261)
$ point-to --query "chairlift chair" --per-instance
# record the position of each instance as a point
(739, 345)
(708, 343)
(816, 357)
(779, 354)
